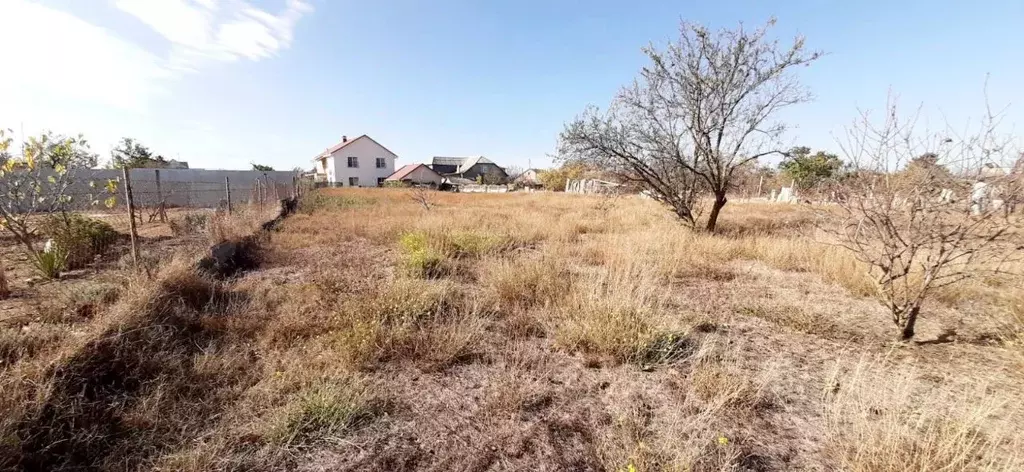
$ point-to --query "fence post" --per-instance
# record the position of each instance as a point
(259, 195)
(160, 198)
(266, 186)
(227, 193)
(131, 215)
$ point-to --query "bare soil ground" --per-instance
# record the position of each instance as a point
(524, 332)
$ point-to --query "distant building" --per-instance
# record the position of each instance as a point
(359, 162)
(416, 175)
(529, 178)
(459, 169)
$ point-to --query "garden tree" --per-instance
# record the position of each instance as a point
(555, 179)
(514, 172)
(808, 170)
(911, 242)
(38, 181)
(698, 112)
(133, 155)
(261, 167)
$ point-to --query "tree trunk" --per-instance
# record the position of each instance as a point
(684, 214)
(908, 327)
(5, 290)
(716, 208)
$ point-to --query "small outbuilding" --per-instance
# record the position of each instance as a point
(472, 168)
(416, 175)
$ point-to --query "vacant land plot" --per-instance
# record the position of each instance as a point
(523, 332)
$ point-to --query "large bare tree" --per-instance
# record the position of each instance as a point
(699, 111)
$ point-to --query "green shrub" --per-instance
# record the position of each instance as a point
(79, 237)
(420, 257)
(466, 244)
(50, 264)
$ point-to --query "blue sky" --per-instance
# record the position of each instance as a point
(223, 83)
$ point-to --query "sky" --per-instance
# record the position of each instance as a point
(223, 83)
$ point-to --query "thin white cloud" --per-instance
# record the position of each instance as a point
(53, 55)
(201, 30)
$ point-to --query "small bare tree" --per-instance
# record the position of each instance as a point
(697, 113)
(422, 195)
(514, 172)
(893, 216)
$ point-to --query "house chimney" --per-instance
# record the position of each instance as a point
(344, 139)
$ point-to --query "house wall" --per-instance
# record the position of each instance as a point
(367, 151)
(445, 168)
(423, 175)
(485, 169)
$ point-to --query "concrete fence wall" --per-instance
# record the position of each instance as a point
(193, 188)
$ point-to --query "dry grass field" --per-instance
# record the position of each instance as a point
(519, 332)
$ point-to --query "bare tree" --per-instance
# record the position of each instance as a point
(698, 112)
(893, 217)
(514, 172)
(422, 196)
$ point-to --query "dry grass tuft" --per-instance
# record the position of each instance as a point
(717, 383)
(799, 318)
(325, 411)
(83, 302)
(879, 419)
(411, 319)
(525, 283)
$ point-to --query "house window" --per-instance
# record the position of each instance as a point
(381, 163)
(380, 181)
(353, 181)
(353, 161)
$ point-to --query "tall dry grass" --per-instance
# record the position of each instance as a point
(551, 321)
(880, 418)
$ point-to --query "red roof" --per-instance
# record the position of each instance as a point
(405, 170)
(333, 149)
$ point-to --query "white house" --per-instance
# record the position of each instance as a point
(359, 162)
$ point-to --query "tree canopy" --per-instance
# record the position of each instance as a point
(134, 155)
(808, 170)
(700, 109)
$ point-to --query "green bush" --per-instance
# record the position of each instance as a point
(420, 258)
(79, 238)
(50, 264)
(464, 244)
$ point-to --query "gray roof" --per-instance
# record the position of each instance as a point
(448, 161)
(462, 163)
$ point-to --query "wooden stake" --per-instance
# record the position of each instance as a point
(131, 215)
(227, 193)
